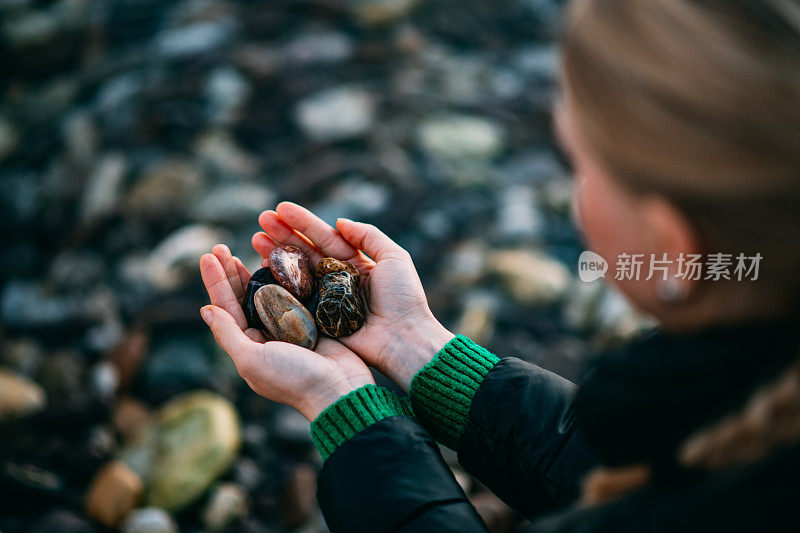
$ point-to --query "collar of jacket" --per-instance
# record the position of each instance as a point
(637, 404)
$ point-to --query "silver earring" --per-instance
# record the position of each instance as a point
(671, 290)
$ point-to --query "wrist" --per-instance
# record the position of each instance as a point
(314, 404)
(413, 348)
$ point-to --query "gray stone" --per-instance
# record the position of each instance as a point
(174, 260)
(353, 198)
(166, 188)
(102, 193)
(149, 520)
(227, 92)
(457, 136)
(195, 39)
(194, 440)
(217, 149)
(518, 213)
(336, 114)
(381, 11)
(319, 47)
(227, 505)
(530, 277)
(234, 203)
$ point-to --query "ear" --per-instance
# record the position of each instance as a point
(671, 231)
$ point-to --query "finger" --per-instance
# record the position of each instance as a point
(219, 289)
(223, 253)
(244, 274)
(230, 337)
(324, 237)
(262, 244)
(370, 239)
(255, 335)
(281, 232)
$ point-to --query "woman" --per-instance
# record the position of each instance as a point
(682, 121)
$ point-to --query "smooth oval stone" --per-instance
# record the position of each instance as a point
(259, 278)
(284, 318)
(340, 311)
(327, 265)
(292, 270)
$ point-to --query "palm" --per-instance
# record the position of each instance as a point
(396, 298)
(276, 370)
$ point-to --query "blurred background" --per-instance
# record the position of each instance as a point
(135, 134)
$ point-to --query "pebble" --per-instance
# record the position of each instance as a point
(478, 317)
(194, 440)
(336, 114)
(227, 92)
(103, 190)
(149, 520)
(340, 311)
(113, 494)
(381, 11)
(227, 505)
(319, 47)
(174, 260)
(284, 318)
(531, 277)
(165, 189)
(518, 214)
(194, 39)
(130, 418)
(291, 270)
(259, 278)
(460, 136)
(19, 396)
(232, 204)
(62, 521)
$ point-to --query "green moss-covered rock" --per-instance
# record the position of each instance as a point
(193, 440)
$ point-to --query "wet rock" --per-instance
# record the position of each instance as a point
(292, 270)
(177, 363)
(149, 520)
(102, 193)
(164, 189)
(114, 492)
(129, 355)
(259, 278)
(104, 379)
(174, 260)
(300, 495)
(328, 265)
(336, 114)
(194, 439)
(457, 136)
(530, 277)
(341, 310)
(283, 317)
(19, 397)
(232, 204)
(381, 11)
(227, 505)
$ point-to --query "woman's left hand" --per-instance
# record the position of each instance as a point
(307, 380)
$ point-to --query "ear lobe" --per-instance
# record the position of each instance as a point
(673, 233)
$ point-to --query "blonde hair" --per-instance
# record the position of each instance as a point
(698, 101)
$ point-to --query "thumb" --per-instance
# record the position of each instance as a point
(370, 239)
(229, 335)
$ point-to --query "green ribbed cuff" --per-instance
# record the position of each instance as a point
(441, 393)
(353, 412)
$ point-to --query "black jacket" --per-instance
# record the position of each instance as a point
(532, 436)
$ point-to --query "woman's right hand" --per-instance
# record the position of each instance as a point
(400, 334)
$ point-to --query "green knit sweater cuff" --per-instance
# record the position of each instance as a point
(441, 393)
(353, 412)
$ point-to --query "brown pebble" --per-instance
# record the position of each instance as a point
(300, 499)
(115, 491)
(292, 270)
(130, 417)
(340, 311)
(284, 317)
(327, 265)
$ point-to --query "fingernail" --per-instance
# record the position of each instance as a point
(207, 315)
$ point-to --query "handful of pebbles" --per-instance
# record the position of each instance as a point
(289, 301)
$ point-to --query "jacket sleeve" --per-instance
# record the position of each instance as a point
(511, 423)
(384, 472)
